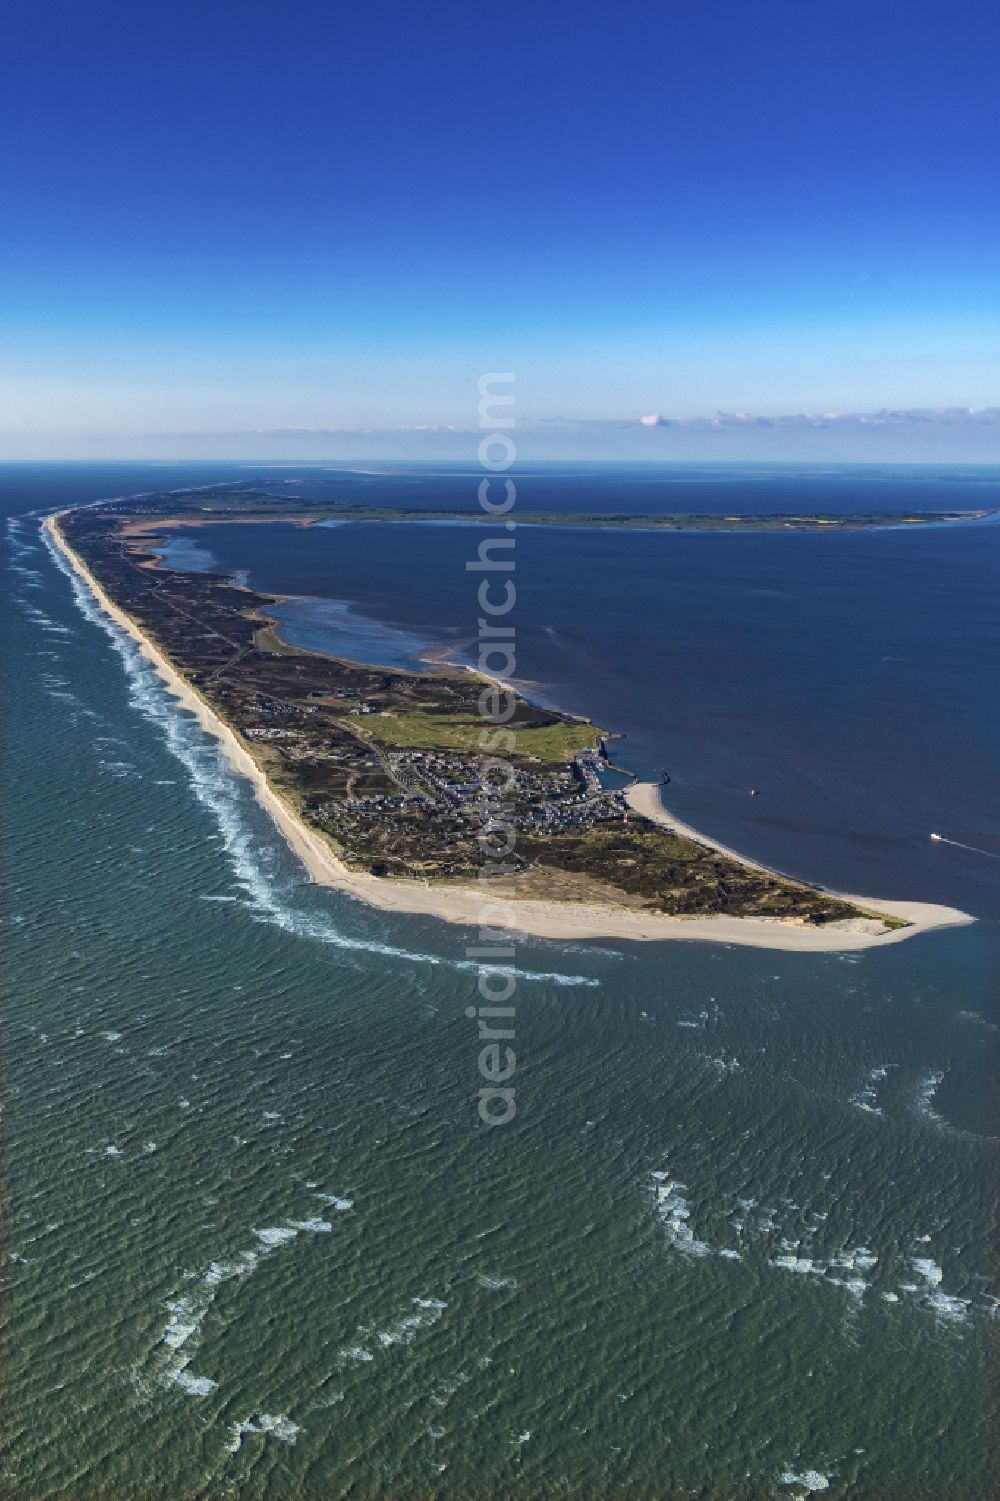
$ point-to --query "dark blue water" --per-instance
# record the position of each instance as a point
(736, 1242)
(631, 488)
(846, 678)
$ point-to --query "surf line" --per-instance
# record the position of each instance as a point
(497, 705)
(990, 854)
(215, 787)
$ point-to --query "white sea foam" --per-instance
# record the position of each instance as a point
(926, 1089)
(334, 1202)
(849, 1269)
(722, 1065)
(868, 1094)
(948, 1307)
(267, 1425)
(856, 1286)
(178, 1343)
(811, 1480)
(855, 1259)
(673, 1212)
(276, 1235)
(927, 1268)
(945, 1306)
(796, 1264)
(978, 1020)
(183, 1324)
(41, 619)
(402, 1331)
(696, 1023)
(121, 769)
(195, 1386)
(224, 1271)
(224, 795)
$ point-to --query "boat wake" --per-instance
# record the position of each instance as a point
(972, 848)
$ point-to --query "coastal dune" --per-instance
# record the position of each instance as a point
(465, 904)
(647, 799)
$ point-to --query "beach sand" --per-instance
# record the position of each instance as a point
(473, 907)
(647, 798)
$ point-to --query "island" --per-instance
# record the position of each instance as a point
(241, 500)
(376, 775)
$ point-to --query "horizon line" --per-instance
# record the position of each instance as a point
(606, 461)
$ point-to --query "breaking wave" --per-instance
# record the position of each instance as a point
(219, 790)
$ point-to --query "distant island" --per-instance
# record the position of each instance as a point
(245, 502)
(375, 774)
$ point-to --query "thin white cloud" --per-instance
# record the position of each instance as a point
(921, 417)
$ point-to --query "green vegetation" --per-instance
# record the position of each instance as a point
(416, 729)
(678, 876)
(386, 764)
(238, 503)
(268, 640)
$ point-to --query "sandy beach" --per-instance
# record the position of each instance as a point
(647, 798)
(543, 919)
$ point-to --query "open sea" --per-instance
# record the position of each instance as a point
(736, 1243)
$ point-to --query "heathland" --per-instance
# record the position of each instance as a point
(377, 775)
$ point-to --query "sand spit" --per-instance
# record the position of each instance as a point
(646, 798)
(467, 904)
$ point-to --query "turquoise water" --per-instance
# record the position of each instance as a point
(256, 1245)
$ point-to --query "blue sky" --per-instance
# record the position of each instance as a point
(221, 220)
